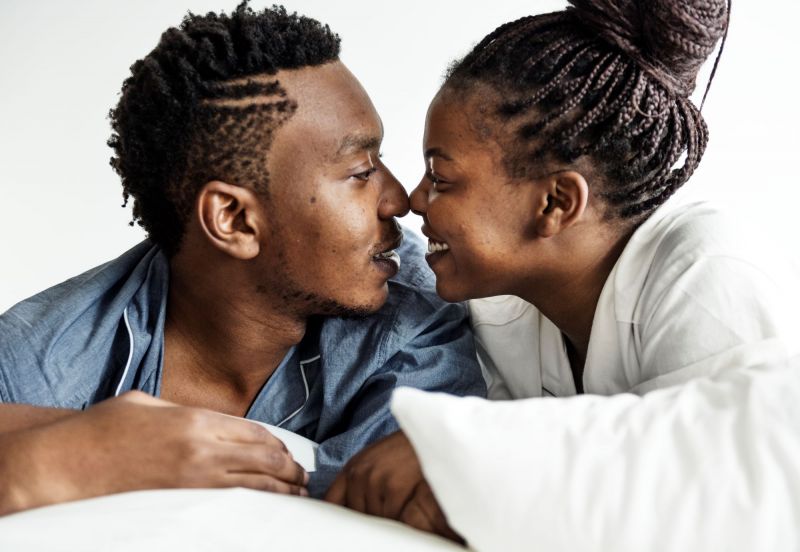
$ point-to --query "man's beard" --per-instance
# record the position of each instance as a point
(304, 303)
(316, 305)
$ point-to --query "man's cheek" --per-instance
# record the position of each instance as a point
(356, 237)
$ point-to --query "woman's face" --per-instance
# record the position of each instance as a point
(475, 218)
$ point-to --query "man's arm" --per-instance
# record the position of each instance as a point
(135, 442)
(14, 417)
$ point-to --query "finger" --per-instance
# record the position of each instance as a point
(261, 482)
(374, 495)
(427, 502)
(241, 457)
(396, 496)
(337, 493)
(356, 490)
(241, 430)
(414, 516)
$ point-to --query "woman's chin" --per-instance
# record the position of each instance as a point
(450, 292)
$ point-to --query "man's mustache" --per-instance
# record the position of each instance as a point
(390, 241)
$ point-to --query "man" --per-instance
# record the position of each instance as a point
(252, 157)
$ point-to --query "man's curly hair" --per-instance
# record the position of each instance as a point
(201, 107)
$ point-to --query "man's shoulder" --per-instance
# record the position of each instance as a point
(57, 340)
(64, 297)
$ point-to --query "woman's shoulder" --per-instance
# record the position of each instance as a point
(695, 288)
(687, 229)
(679, 238)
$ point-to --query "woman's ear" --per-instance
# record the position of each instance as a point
(561, 201)
(231, 219)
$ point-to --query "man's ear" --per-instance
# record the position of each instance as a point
(561, 200)
(230, 218)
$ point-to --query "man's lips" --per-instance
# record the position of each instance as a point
(387, 258)
(387, 245)
(393, 244)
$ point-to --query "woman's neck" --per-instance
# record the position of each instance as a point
(569, 294)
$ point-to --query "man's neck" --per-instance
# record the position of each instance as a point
(222, 345)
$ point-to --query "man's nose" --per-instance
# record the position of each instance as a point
(394, 200)
(419, 198)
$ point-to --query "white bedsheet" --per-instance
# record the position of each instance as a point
(208, 519)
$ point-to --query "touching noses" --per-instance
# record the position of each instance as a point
(394, 200)
(419, 198)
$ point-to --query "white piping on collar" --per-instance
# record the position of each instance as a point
(130, 352)
(305, 384)
(309, 360)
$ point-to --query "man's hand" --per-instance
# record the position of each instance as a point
(386, 480)
(380, 479)
(136, 441)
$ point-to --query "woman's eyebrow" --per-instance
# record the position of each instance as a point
(437, 152)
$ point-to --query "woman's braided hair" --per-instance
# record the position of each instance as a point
(199, 107)
(609, 79)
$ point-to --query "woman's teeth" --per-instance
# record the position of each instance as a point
(435, 247)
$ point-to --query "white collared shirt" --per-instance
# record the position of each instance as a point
(692, 294)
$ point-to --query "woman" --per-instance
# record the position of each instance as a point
(551, 152)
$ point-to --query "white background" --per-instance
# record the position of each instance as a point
(62, 64)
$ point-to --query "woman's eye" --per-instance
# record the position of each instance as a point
(435, 180)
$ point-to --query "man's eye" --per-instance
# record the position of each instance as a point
(364, 176)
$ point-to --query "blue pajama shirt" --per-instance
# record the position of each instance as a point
(102, 333)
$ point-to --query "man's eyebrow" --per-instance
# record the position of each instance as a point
(358, 142)
(437, 152)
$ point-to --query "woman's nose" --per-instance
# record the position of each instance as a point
(419, 198)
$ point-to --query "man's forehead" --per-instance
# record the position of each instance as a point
(336, 113)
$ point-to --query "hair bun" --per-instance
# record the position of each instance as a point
(669, 38)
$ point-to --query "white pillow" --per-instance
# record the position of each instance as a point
(711, 465)
(213, 520)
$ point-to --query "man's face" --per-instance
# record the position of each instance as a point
(331, 205)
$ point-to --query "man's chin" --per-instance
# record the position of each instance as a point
(355, 313)
(332, 307)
